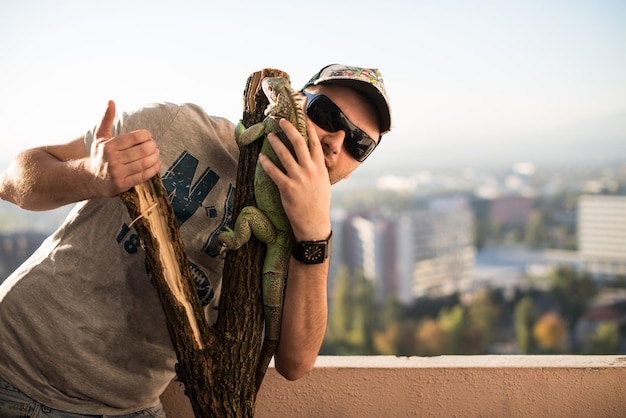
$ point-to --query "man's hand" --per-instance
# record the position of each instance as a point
(305, 187)
(124, 161)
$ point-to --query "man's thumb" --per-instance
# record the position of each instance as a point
(104, 130)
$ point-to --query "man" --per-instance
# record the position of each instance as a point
(81, 328)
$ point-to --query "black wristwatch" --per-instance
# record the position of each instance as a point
(313, 252)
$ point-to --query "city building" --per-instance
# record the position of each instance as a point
(602, 235)
(444, 252)
(425, 251)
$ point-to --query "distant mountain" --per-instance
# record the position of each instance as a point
(588, 144)
(14, 219)
(21, 232)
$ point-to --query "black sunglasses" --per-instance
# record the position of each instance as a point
(327, 115)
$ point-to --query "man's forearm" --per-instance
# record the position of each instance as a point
(305, 316)
(37, 181)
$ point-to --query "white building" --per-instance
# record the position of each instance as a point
(426, 251)
(444, 247)
(602, 235)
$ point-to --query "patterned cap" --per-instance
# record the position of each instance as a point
(368, 81)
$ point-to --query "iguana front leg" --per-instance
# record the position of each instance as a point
(251, 220)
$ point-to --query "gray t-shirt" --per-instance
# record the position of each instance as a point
(81, 325)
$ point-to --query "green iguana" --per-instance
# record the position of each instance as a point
(268, 220)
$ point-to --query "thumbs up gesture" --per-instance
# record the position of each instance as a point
(121, 162)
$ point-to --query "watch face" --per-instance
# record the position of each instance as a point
(313, 253)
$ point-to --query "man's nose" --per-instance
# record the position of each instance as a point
(333, 141)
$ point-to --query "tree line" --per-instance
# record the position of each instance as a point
(533, 321)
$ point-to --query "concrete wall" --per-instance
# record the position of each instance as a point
(471, 386)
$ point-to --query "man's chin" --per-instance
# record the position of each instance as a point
(334, 178)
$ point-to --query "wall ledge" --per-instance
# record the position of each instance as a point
(444, 386)
(499, 361)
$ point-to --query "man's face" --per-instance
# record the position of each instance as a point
(360, 112)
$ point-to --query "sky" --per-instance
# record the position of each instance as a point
(466, 79)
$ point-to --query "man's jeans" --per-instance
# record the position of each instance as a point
(14, 404)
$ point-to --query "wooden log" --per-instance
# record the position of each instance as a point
(216, 364)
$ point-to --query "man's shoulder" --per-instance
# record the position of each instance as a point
(197, 113)
(187, 126)
(164, 113)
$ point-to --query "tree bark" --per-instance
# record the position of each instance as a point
(216, 364)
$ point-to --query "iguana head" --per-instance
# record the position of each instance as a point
(283, 99)
(285, 102)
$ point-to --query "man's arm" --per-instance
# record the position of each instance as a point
(305, 195)
(304, 319)
(48, 177)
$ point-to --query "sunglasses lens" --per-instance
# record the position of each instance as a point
(324, 113)
(359, 146)
(330, 118)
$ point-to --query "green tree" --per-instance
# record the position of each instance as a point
(535, 235)
(339, 318)
(407, 343)
(431, 338)
(524, 319)
(352, 317)
(573, 291)
(452, 322)
(386, 341)
(386, 338)
(364, 316)
(482, 316)
(605, 339)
